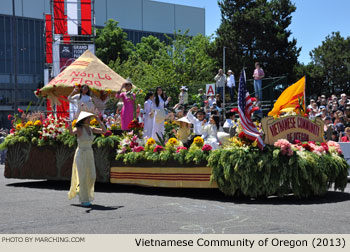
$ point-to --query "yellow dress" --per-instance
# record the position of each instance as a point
(83, 170)
(182, 134)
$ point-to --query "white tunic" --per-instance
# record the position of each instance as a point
(79, 104)
(148, 120)
(197, 125)
(210, 135)
(158, 127)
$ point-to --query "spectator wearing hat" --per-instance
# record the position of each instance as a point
(340, 128)
(231, 84)
(344, 98)
(220, 79)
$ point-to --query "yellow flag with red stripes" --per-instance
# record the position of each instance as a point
(289, 98)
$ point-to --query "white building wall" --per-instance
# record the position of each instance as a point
(158, 17)
(141, 15)
(190, 18)
(127, 13)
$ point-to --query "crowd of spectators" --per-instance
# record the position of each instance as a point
(335, 113)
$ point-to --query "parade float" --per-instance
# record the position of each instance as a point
(295, 158)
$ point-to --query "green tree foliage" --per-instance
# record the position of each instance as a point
(257, 30)
(184, 60)
(330, 66)
(111, 43)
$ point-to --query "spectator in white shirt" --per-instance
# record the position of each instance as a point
(231, 84)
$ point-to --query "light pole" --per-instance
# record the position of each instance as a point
(223, 69)
(14, 51)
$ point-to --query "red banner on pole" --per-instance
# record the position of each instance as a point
(59, 18)
(86, 17)
(48, 34)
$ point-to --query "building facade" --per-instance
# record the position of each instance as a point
(138, 18)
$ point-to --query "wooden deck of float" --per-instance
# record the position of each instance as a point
(171, 177)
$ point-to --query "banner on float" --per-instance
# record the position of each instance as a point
(292, 128)
(210, 90)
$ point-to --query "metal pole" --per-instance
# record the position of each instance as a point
(223, 69)
(14, 51)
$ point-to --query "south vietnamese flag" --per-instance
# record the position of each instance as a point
(289, 99)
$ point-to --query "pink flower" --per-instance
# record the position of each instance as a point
(296, 141)
(12, 131)
(138, 149)
(334, 147)
(178, 149)
(285, 146)
(207, 147)
(158, 148)
(133, 145)
(307, 147)
(20, 110)
(108, 133)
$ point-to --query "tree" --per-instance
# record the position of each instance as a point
(183, 61)
(256, 30)
(331, 64)
(111, 43)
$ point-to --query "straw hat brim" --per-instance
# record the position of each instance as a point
(184, 119)
(83, 115)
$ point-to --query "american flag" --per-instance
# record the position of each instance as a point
(245, 106)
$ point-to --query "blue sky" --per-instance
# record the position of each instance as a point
(312, 21)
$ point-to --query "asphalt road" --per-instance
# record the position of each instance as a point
(38, 207)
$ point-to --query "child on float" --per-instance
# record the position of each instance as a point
(210, 131)
(83, 169)
(184, 131)
(148, 115)
(127, 112)
(197, 122)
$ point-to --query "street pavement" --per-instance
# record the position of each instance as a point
(42, 207)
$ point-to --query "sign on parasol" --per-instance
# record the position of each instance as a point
(88, 70)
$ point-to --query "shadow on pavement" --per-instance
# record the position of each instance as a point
(97, 207)
(194, 193)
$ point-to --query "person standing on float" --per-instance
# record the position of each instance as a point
(127, 113)
(148, 115)
(79, 102)
(83, 169)
(159, 116)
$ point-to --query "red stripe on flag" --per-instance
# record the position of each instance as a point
(48, 35)
(59, 19)
(66, 37)
(86, 17)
